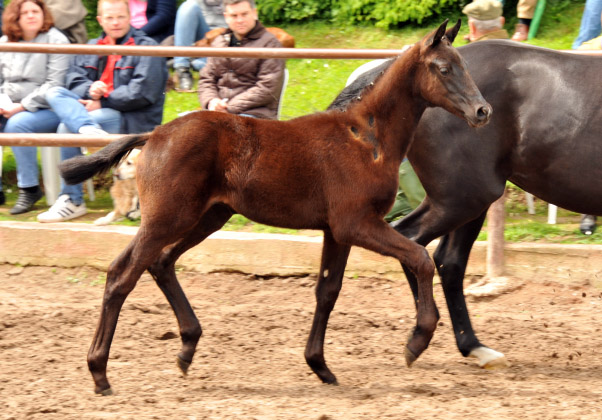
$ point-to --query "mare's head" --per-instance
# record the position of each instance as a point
(444, 81)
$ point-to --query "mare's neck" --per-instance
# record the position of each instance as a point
(394, 105)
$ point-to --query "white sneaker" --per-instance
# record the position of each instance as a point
(92, 130)
(63, 209)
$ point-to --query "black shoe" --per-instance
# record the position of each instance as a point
(588, 224)
(25, 201)
(2, 198)
(184, 79)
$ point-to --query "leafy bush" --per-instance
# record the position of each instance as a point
(382, 14)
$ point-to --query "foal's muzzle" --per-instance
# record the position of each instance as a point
(482, 115)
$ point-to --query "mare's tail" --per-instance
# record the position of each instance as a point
(80, 168)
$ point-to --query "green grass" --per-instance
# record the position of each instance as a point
(314, 83)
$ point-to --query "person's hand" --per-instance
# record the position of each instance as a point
(98, 89)
(218, 104)
(14, 109)
(90, 104)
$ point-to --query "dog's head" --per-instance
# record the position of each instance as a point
(127, 167)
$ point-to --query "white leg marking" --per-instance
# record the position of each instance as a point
(489, 358)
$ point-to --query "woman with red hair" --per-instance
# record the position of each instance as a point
(24, 80)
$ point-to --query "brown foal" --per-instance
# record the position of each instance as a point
(333, 171)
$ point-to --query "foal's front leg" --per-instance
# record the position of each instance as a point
(376, 235)
(330, 280)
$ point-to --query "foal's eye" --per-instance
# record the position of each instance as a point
(444, 71)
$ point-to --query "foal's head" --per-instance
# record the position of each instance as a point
(444, 81)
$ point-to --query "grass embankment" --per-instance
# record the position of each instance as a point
(314, 83)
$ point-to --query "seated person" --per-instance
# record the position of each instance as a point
(193, 20)
(112, 94)
(591, 25)
(587, 226)
(485, 20)
(24, 81)
(155, 18)
(70, 17)
(244, 86)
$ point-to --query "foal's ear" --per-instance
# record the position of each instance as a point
(452, 32)
(435, 37)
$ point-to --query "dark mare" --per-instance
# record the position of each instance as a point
(545, 137)
(198, 170)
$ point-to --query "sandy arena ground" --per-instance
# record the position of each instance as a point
(249, 363)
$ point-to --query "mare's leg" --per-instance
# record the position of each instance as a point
(122, 276)
(164, 273)
(330, 279)
(376, 235)
(451, 259)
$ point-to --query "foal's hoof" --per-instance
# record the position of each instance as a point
(105, 392)
(410, 357)
(183, 365)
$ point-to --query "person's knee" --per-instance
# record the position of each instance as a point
(55, 91)
(189, 6)
(18, 123)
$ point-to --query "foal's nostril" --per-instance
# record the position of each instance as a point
(483, 112)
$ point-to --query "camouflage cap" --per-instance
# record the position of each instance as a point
(483, 9)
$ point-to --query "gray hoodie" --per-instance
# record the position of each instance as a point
(25, 77)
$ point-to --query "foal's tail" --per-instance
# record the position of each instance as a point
(80, 168)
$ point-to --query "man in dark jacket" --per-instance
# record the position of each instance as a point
(161, 16)
(103, 94)
(243, 86)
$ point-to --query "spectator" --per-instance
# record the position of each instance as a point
(485, 20)
(154, 17)
(525, 9)
(193, 20)
(70, 17)
(112, 94)
(591, 26)
(1, 11)
(244, 86)
(24, 80)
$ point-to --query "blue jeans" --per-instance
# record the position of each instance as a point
(73, 116)
(190, 26)
(590, 22)
(41, 121)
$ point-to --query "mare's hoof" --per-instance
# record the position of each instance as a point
(183, 365)
(496, 364)
(489, 358)
(410, 357)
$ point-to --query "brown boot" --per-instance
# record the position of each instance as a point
(522, 32)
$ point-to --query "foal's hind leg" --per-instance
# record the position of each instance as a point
(122, 276)
(164, 273)
(330, 279)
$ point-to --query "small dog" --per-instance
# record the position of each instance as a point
(124, 191)
(287, 41)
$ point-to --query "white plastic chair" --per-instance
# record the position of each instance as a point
(281, 100)
(51, 157)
